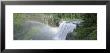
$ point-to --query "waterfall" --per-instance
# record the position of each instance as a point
(38, 31)
(64, 29)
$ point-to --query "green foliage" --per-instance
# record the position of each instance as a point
(92, 36)
(87, 30)
(57, 17)
(89, 19)
(18, 20)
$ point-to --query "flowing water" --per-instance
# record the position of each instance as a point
(38, 31)
(63, 30)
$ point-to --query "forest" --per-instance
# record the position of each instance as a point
(85, 30)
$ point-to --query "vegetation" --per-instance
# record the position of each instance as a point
(87, 30)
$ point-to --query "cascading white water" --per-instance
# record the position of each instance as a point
(38, 31)
(63, 30)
